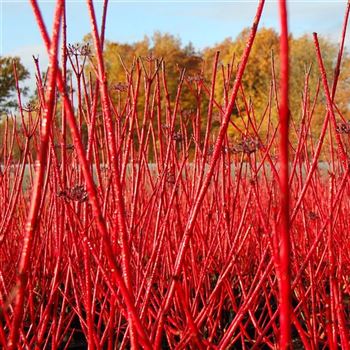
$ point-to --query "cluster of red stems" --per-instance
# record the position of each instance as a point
(212, 246)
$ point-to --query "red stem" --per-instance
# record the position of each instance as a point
(284, 228)
(216, 153)
(36, 197)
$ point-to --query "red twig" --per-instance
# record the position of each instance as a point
(284, 256)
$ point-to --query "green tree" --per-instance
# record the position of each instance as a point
(8, 83)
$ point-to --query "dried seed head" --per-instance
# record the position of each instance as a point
(177, 136)
(85, 50)
(238, 148)
(121, 87)
(248, 146)
(73, 49)
(343, 128)
(196, 78)
(82, 50)
(30, 107)
(312, 215)
(76, 193)
(170, 178)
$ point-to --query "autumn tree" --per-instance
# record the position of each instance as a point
(257, 81)
(258, 74)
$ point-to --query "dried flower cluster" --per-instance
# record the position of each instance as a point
(248, 146)
(78, 49)
(196, 78)
(121, 87)
(77, 193)
(343, 128)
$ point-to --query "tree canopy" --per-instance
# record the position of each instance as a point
(257, 82)
(258, 75)
(257, 78)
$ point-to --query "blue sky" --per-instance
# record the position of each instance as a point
(204, 23)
